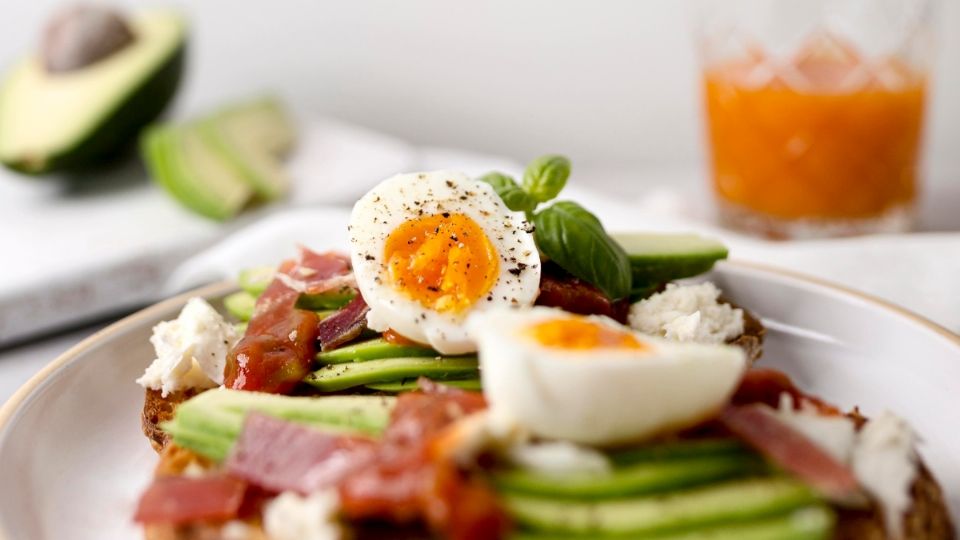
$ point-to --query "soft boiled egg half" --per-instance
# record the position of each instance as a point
(593, 381)
(429, 249)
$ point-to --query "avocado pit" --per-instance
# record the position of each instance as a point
(83, 34)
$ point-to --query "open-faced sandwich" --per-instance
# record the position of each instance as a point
(490, 363)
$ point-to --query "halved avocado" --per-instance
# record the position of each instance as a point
(180, 160)
(65, 120)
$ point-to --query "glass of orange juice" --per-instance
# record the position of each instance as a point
(814, 113)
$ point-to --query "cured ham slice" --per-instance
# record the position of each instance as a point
(314, 272)
(282, 456)
(278, 348)
(181, 499)
(410, 479)
(403, 477)
(344, 325)
(791, 450)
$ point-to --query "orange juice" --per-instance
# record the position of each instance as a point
(825, 138)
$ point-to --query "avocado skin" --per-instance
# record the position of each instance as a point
(141, 106)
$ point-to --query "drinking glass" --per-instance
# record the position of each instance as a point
(814, 112)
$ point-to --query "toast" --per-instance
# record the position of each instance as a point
(751, 340)
(927, 519)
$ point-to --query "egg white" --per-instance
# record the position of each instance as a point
(409, 196)
(599, 396)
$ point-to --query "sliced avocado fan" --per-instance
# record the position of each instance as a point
(220, 163)
(70, 119)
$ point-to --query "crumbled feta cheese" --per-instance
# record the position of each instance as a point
(191, 350)
(292, 517)
(484, 431)
(837, 435)
(885, 463)
(490, 432)
(559, 457)
(881, 455)
(689, 313)
(194, 470)
(236, 530)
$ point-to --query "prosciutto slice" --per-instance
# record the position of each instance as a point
(344, 325)
(282, 456)
(758, 427)
(315, 272)
(181, 499)
(278, 348)
(403, 477)
(410, 479)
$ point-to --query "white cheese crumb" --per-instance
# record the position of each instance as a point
(881, 455)
(687, 313)
(236, 530)
(484, 431)
(885, 463)
(194, 470)
(836, 434)
(488, 431)
(191, 350)
(559, 457)
(292, 517)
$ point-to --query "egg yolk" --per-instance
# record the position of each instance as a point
(444, 261)
(579, 334)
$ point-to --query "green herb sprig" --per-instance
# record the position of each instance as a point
(566, 233)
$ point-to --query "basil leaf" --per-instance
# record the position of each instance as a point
(513, 196)
(546, 176)
(575, 239)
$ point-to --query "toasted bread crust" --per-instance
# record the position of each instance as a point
(201, 531)
(927, 519)
(158, 409)
(751, 340)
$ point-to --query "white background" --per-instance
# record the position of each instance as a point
(610, 82)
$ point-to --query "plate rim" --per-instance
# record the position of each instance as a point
(9, 409)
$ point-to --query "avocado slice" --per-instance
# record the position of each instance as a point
(67, 120)
(730, 502)
(638, 479)
(808, 523)
(326, 300)
(241, 305)
(471, 385)
(256, 280)
(334, 377)
(659, 258)
(374, 349)
(251, 138)
(180, 161)
(210, 422)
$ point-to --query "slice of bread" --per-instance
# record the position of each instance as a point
(751, 340)
(157, 410)
(927, 519)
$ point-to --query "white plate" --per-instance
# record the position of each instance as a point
(73, 459)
